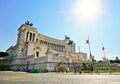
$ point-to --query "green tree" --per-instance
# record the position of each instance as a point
(3, 54)
(100, 61)
(117, 58)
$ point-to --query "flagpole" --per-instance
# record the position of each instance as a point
(89, 47)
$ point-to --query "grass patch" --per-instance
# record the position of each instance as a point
(107, 71)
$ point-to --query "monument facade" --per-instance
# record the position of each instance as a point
(37, 51)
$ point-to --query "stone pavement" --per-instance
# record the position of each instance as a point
(10, 77)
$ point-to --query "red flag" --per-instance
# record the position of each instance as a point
(87, 41)
(103, 48)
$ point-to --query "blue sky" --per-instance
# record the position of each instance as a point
(55, 18)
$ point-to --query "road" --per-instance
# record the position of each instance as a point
(10, 77)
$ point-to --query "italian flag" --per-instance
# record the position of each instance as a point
(87, 41)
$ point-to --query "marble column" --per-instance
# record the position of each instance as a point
(27, 35)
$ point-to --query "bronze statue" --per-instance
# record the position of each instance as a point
(70, 42)
(28, 23)
(67, 37)
(31, 24)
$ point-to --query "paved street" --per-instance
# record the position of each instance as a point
(10, 77)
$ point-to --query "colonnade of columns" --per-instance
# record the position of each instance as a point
(31, 37)
(56, 47)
